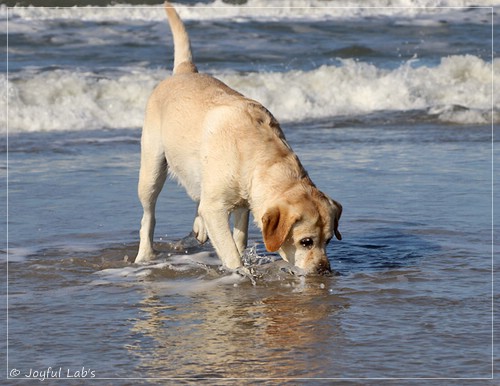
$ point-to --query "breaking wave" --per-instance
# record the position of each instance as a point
(458, 90)
(425, 11)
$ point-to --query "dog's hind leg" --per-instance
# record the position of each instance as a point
(152, 177)
(240, 231)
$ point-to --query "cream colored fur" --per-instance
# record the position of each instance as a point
(231, 156)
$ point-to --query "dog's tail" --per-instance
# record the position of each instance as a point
(183, 59)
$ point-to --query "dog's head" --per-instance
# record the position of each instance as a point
(300, 226)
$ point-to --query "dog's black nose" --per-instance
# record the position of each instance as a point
(324, 268)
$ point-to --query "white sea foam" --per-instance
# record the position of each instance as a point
(68, 100)
(359, 88)
(19, 255)
(458, 90)
(189, 266)
(178, 263)
(202, 272)
(427, 10)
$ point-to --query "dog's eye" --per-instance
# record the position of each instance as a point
(307, 242)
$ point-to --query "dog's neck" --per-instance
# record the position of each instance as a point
(278, 179)
(272, 163)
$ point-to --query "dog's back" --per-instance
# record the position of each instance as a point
(189, 109)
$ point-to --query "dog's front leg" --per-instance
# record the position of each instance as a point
(216, 219)
(199, 228)
(240, 231)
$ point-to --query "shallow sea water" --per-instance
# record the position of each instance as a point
(411, 297)
(410, 301)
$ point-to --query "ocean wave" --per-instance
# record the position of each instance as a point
(458, 90)
(426, 11)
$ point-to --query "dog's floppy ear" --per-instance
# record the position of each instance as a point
(338, 213)
(276, 224)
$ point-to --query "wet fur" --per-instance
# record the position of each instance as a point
(231, 156)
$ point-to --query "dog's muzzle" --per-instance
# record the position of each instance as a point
(324, 268)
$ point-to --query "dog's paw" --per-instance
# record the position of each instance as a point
(199, 230)
(145, 256)
(144, 259)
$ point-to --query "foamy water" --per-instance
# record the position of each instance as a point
(457, 90)
(264, 10)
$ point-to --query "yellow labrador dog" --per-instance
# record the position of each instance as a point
(231, 156)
